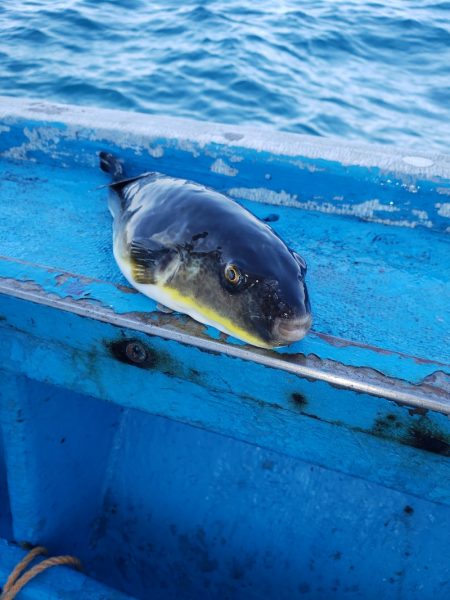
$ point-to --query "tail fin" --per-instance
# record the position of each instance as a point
(111, 164)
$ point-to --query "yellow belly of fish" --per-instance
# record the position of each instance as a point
(175, 300)
(209, 316)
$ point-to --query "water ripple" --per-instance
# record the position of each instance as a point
(372, 71)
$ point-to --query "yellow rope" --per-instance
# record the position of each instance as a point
(18, 579)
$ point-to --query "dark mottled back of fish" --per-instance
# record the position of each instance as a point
(197, 251)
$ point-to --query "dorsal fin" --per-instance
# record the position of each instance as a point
(118, 186)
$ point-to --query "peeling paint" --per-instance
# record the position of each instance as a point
(147, 135)
(266, 140)
(188, 146)
(364, 210)
(367, 209)
(220, 166)
(156, 152)
(421, 214)
(44, 139)
(265, 195)
(308, 166)
(443, 209)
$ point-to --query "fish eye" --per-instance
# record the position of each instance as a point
(232, 274)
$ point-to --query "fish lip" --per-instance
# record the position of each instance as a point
(287, 331)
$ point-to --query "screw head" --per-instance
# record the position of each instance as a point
(136, 352)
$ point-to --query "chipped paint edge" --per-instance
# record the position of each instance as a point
(125, 125)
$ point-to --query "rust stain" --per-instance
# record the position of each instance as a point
(62, 278)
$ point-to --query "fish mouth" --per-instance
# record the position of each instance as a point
(287, 331)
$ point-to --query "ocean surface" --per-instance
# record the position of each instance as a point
(353, 69)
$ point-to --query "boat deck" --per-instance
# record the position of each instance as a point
(177, 462)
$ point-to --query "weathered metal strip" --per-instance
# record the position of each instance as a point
(433, 394)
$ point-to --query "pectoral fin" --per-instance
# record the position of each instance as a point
(150, 261)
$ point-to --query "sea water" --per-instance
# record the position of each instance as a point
(353, 69)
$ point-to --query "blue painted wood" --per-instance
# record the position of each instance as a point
(365, 436)
(5, 514)
(34, 456)
(188, 513)
(213, 469)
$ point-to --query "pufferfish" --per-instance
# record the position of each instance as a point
(196, 251)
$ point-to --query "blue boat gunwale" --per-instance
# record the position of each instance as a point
(428, 395)
(378, 171)
(48, 131)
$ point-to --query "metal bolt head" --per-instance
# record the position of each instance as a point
(136, 352)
